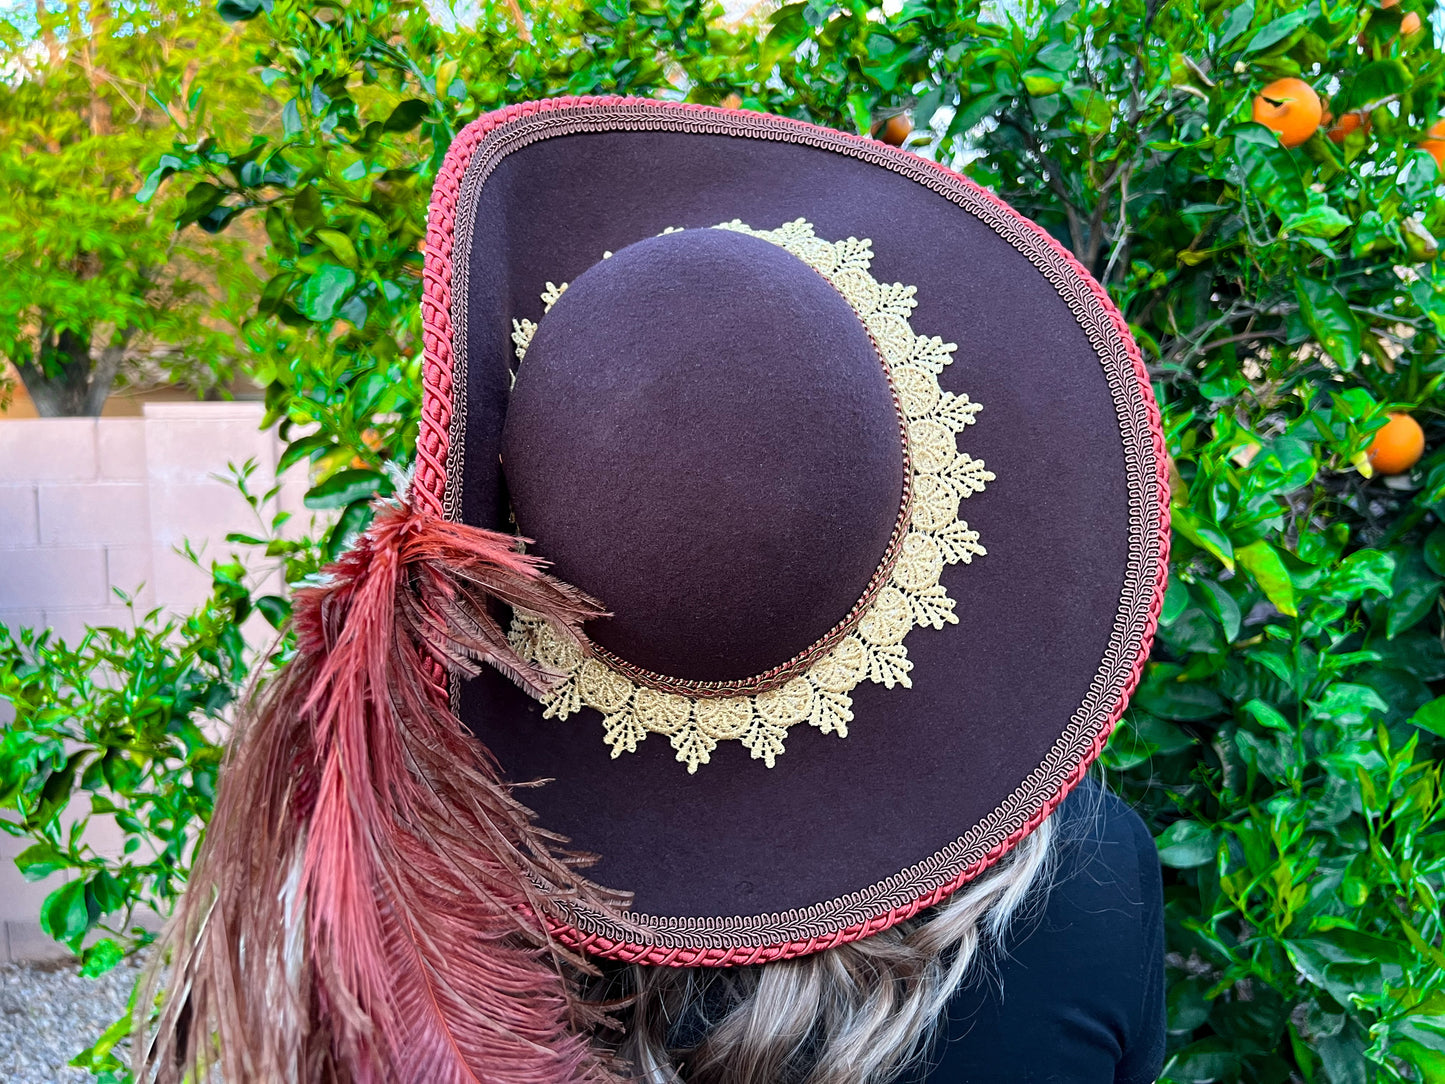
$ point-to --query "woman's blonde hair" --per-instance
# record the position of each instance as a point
(855, 1014)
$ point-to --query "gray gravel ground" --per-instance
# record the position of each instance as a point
(48, 1014)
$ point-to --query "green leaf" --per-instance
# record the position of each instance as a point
(1188, 1004)
(1093, 108)
(1060, 56)
(1237, 23)
(40, 861)
(64, 914)
(1263, 562)
(1327, 314)
(169, 163)
(353, 520)
(1348, 702)
(1176, 598)
(1431, 717)
(275, 609)
(1415, 590)
(1343, 1057)
(1267, 716)
(291, 119)
(406, 116)
(1376, 80)
(306, 208)
(323, 292)
(1225, 608)
(1186, 844)
(1179, 700)
(1318, 219)
(344, 487)
(1278, 30)
(1427, 1030)
(1268, 170)
(100, 958)
(1287, 464)
(1364, 570)
(1204, 535)
(1434, 551)
(972, 112)
(239, 11)
(200, 200)
(98, 1057)
(1039, 83)
(307, 447)
(789, 28)
(340, 245)
(1374, 235)
(1430, 1063)
(1204, 1062)
(107, 893)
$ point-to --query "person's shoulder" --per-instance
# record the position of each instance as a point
(1100, 933)
(1105, 855)
(1094, 814)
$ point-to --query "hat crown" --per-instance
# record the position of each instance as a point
(703, 436)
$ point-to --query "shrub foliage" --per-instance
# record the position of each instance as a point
(99, 289)
(1286, 740)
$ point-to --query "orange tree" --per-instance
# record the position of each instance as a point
(1286, 740)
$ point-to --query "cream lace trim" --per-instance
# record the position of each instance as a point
(913, 597)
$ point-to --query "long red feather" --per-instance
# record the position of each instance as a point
(365, 906)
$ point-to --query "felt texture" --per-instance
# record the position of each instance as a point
(703, 434)
(990, 694)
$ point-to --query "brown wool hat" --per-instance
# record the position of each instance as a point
(866, 470)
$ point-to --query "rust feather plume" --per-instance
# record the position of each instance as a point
(366, 904)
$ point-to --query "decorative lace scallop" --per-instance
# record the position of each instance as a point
(913, 597)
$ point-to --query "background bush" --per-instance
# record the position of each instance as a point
(1286, 741)
(99, 289)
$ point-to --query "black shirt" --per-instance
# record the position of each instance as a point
(1076, 996)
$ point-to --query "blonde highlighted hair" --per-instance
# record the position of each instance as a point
(859, 1013)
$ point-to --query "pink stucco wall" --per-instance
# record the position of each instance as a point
(88, 506)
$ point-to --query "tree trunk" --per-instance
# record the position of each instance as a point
(75, 385)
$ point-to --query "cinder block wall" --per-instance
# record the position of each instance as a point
(88, 506)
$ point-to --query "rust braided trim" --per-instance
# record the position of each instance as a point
(721, 942)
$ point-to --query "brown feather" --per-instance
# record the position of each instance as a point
(366, 904)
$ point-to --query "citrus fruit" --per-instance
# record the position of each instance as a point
(732, 101)
(893, 130)
(1397, 447)
(1410, 24)
(1343, 126)
(1290, 108)
(1436, 144)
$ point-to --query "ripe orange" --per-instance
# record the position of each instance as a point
(893, 130)
(1397, 447)
(1436, 144)
(1410, 24)
(1290, 108)
(1345, 125)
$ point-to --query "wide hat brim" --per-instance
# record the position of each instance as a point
(840, 838)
